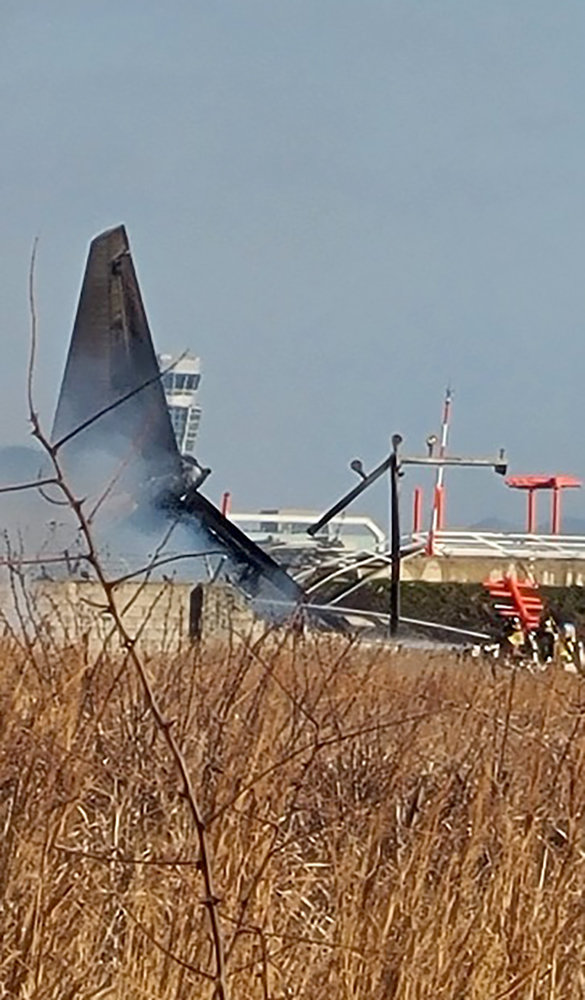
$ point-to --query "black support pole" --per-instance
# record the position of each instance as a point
(394, 546)
(347, 499)
(392, 464)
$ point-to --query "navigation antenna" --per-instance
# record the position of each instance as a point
(438, 512)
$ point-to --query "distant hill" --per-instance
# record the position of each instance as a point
(493, 524)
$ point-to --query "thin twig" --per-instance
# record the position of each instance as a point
(33, 330)
(319, 745)
(35, 484)
(111, 406)
(163, 725)
(164, 562)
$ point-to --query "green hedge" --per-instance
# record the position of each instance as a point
(464, 605)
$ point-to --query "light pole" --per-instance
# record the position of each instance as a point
(393, 464)
(394, 536)
(499, 465)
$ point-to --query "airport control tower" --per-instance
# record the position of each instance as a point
(180, 386)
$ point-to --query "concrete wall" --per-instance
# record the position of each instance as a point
(468, 569)
(160, 616)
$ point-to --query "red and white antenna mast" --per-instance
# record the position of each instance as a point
(438, 513)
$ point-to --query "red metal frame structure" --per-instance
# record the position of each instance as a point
(417, 501)
(531, 484)
(517, 599)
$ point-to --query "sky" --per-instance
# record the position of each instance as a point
(340, 205)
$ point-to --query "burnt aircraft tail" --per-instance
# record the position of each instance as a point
(111, 358)
(112, 407)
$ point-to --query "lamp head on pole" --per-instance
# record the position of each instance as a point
(431, 442)
(502, 466)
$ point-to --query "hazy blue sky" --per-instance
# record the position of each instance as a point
(339, 204)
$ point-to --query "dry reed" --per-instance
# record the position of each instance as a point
(381, 825)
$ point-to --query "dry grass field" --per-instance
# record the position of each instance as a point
(381, 825)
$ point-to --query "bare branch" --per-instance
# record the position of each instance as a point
(211, 900)
(318, 745)
(112, 406)
(66, 560)
(164, 562)
(35, 484)
(33, 326)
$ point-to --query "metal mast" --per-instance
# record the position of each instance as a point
(438, 512)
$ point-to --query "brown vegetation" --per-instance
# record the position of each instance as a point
(380, 825)
(278, 818)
